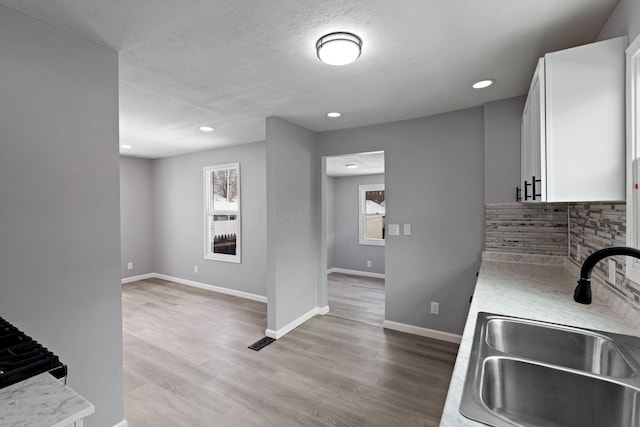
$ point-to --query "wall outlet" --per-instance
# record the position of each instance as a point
(406, 229)
(195, 269)
(612, 272)
(435, 307)
(129, 266)
(369, 263)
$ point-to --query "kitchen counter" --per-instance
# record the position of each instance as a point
(533, 291)
(42, 401)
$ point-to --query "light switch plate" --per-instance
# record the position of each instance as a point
(394, 229)
(406, 229)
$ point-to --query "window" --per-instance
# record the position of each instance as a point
(371, 217)
(222, 212)
(633, 154)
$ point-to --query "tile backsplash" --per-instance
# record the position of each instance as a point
(559, 229)
(540, 228)
(594, 226)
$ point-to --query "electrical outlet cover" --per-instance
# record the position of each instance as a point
(612, 272)
(435, 307)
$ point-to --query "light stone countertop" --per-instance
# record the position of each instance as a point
(41, 401)
(539, 292)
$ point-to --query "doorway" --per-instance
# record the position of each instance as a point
(355, 208)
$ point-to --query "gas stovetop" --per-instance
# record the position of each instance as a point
(21, 357)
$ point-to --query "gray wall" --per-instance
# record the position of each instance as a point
(502, 130)
(330, 220)
(59, 217)
(347, 251)
(434, 180)
(178, 203)
(625, 20)
(293, 203)
(136, 216)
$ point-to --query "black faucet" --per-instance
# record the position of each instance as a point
(582, 294)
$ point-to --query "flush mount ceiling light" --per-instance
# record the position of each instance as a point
(339, 48)
(483, 83)
(126, 146)
(206, 128)
(351, 166)
(333, 114)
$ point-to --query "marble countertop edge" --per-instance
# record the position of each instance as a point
(42, 401)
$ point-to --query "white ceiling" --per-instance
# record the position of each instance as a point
(368, 164)
(231, 63)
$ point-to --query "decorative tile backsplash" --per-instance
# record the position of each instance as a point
(559, 229)
(540, 228)
(594, 226)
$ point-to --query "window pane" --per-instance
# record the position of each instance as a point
(374, 202)
(224, 229)
(374, 227)
(374, 214)
(225, 189)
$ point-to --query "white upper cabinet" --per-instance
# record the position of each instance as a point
(573, 146)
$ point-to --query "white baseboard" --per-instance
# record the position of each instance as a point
(122, 423)
(226, 291)
(355, 272)
(299, 321)
(136, 278)
(423, 332)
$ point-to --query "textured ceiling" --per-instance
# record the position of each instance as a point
(231, 63)
(368, 164)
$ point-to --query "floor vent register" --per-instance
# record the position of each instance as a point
(261, 343)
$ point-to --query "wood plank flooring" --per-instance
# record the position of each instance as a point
(186, 363)
(356, 298)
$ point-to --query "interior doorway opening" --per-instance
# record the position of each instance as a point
(355, 231)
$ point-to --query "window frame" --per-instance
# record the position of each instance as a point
(209, 211)
(362, 190)
(633, 151)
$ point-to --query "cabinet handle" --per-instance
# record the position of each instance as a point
(518, 194)
(526, 190)
(534, 180)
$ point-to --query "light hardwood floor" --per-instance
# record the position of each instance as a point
(356, 298)
(186, 363)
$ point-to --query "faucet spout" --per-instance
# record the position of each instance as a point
(582, 293)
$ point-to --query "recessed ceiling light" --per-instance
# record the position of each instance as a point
(483, 83)
(126, 146)
(351, 166)
(334, 114)
(339, 48)
(206, 128)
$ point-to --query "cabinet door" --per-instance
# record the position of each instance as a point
(585, 122)
(533, 140)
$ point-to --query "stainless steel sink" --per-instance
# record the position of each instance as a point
(536, 395)
(558, 345)
(529, 373)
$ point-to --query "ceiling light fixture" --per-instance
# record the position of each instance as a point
(206, 128)
(126, 146)
(351, 166)
(339, 48)
(483, 83)
(333, 114)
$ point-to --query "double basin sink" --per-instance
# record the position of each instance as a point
(530, 373)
